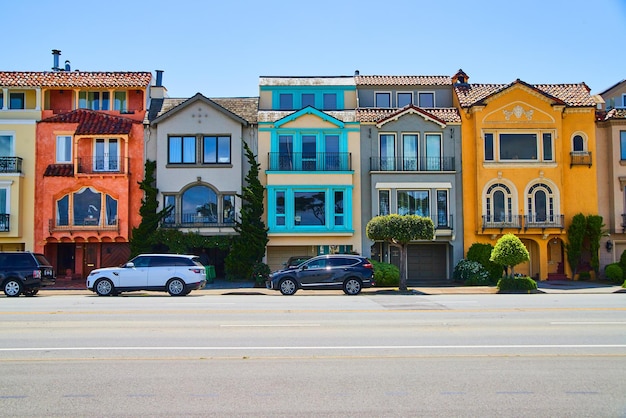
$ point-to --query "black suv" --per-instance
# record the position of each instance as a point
(24, 272)
(339, 271)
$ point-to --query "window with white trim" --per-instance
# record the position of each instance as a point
(383, 202)
(499, 204)
(540, 204)
(86, 207)
(106, 156)
(519, 146)
(426, 99)
(414, 202)
(387, 152)
(7, 144)
(383, 99)
(404, 99)
(64, 149)
(579, 143)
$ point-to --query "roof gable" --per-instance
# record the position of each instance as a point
(93, 122)
(574, 95)
(411, 110)
(309, 111)
(198, 97)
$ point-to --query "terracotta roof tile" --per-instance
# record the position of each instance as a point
(377, 114)
(68, 79)
(93, 122)
(59, 170)
(574, 95)
(402, 80)
(611, 114)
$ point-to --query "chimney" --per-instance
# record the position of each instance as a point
(159, 78)
(356, 72)
(56, 53)
(67, 65)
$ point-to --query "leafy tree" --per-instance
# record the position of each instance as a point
(142, 237)
(248, 247)
(509, 251)
(399, 231)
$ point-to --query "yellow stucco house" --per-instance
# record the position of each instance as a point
(528, 166)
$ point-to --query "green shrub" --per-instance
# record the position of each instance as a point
(614, 273)
(584, 276)
(386, 274)
(622, 261)
(516, 284)
(471, 273)
(482, 254)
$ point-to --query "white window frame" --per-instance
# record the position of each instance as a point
(61, 149)
(12, 142)
(404, 92)
(419, 98)
(6, 185)
(388, 93)
(510, 201)
(538, 145)
(552, 201)
(107, 158)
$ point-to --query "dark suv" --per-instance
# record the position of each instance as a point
(25, 272)
(339, 271)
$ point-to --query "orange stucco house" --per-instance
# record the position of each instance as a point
(89, 160)
(529, 166)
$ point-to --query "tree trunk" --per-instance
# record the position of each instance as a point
(403, 267)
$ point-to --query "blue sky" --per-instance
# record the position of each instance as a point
(221, 48)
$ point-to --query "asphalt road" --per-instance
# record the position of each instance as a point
(148, 354)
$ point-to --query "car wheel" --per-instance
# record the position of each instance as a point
(104, 287)
(288, 287)
(12, 288)
(176, 287)
(31, 292)
(352, 286)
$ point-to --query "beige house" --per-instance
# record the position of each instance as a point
(611, 140)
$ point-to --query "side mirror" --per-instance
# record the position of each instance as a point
(130, 265)
(304, 267)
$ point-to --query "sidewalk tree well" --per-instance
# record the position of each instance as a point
(399, 231)
(509, 251)
(248, 248)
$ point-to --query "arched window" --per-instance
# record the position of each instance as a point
(86, 207)
(499, 204)
(199, 202)
(541, 204)
(578, 143)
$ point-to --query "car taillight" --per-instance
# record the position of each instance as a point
(368, 266)
(196, 270)
(37, 274)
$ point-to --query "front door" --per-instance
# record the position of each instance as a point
(90, 259)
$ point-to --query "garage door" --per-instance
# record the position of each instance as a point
(427, 264)
(278, 255)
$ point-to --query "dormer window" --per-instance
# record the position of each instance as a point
(427, 99)
(383, 99)
(101, 100)
(405, 99)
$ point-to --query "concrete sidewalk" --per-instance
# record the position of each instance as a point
(224, 287)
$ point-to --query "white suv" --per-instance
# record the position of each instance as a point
(173, 273)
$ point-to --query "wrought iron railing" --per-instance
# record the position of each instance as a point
(580, 158)
(544, 221)
(502, 221)
(313, 161)
(412, 164)
(526, 221)
(195, 219)
(10, 165)
(102, 164)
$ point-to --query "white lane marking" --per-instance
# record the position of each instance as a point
(365, 347)
(267, 325)
(588, 323)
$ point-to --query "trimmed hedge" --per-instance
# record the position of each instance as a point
(614, 273)
(482, 254)
(386, 274)
(516, 284)
(471, 273)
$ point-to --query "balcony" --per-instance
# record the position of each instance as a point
(502, 222)
(544, 221)
(86, 224)
(10, 165)
(310, 161)
(580, 158)
(102, 164)
(443, 222)
(412, 164)
(196, 220)
(5, 225)
(529, 222)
